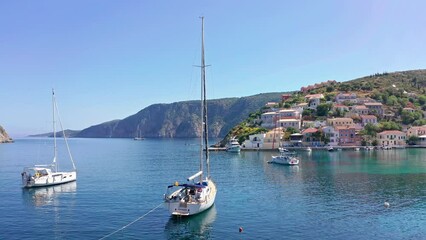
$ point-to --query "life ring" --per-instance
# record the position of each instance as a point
(37, 174)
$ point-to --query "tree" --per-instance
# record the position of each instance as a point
(323, 108)
(412, 140)
(390, 125)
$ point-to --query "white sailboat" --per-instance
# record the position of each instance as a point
(138, 135)
(197, 195)
(285, 158)
(47, 175)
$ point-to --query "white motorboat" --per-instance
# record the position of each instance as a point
(195, 196)
(233, 146)
(47, 175)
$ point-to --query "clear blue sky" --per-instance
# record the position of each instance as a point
(109, 59)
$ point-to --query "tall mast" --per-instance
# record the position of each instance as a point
(55, 150)
(203, 80)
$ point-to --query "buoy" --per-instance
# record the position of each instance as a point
(241, 229)
(387, 204)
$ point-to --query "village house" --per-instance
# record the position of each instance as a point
(416, 131)
(272, 139)
(331, 134)
(286, 123)
(375, 108)
(340, 107)
(368, 119)
(296, 140)
(314, 100)
(289, 114)
(340, 122)
(422, 140)
(343, 97)
(255, 141)
(309, 138)
(346, 135)
(268, 119)
(408, 109)
(300, 107)
(391, 138)
(271, 104)
(360, 110)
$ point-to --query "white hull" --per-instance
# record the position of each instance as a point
(284, 160)
(236, 149)
(180, 204)
(48, 180)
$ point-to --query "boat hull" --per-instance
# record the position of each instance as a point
(48, 180)
(285, 160)
(235, 149)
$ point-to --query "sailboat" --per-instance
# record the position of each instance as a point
(138, 135)
(198, 194)
(47, 175)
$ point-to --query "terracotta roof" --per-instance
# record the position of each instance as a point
(391, 132)
(368, 116)
(310, 130)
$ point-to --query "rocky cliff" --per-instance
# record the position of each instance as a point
(4, 137)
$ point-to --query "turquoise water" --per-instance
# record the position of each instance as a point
(337, 195)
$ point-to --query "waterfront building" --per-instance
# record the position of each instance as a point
(310, 138)
(391, 138)
(346, 135)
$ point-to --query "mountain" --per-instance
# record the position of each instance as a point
(181, 119)
(68, 133)
(4, 137)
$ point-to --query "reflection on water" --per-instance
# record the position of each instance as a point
(42, 196)
(192, 227)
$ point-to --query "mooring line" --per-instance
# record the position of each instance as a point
(139, 218)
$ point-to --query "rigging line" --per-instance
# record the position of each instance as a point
(139, 218)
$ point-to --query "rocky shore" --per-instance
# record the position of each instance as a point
(4, 137)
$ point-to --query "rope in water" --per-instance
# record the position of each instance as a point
(139, 218)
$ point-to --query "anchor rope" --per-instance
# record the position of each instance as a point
(139, 218)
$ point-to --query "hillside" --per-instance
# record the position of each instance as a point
(396, 91)
(68, 133)
(181, 119)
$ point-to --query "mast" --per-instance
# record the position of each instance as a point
(203, 79)
(55, 150)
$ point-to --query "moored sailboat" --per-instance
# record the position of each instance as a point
(199, 193)
(47, 175)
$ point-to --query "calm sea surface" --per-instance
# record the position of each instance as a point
(336, 195)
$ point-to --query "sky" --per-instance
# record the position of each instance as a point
(109, 59)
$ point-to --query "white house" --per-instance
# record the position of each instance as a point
(286, 123)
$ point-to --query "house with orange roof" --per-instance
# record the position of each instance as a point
(309, 138)
(391, 138)
(343, 97)
(340, 122)
(346, 136)
(360, 110)
(416, 131)
(375, 107)
(368, 119)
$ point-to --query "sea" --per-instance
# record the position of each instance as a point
(121, 183)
